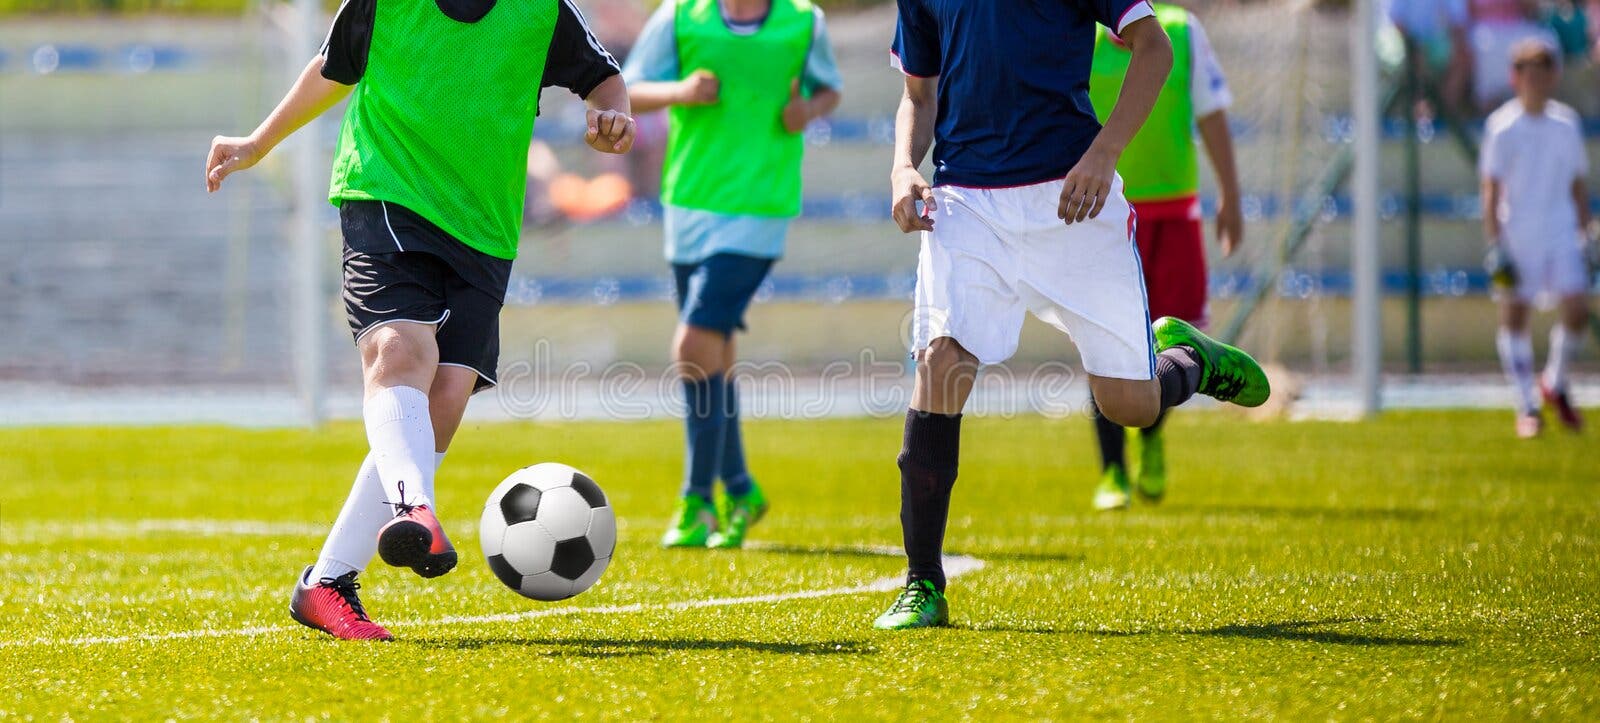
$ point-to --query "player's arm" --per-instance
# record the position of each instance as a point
(1089, 182)
(820, 77)
(698, 88)
(578, 62)
(1219, 148)
(311, 96)
(1580, 199)
(652, 70)
(1491, 201)
(611, 126)
(800, 110)
(913, 136)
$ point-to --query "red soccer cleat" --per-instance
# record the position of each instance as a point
(414, 539)
(331, 606)
(1558, 400)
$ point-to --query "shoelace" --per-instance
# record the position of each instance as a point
(912, 599)
(347, 586)
(401, 507)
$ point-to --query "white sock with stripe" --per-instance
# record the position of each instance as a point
(1563, 344)
(1516, 357)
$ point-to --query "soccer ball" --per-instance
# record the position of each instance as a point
(548, 532)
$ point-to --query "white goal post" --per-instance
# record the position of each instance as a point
(1366, 251)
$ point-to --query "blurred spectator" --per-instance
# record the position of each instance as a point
(1497, 27)
(1570, 22)
(557, 196)
(1437, 47)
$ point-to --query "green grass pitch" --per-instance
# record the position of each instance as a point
(1425, 565)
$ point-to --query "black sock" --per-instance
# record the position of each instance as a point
(1113, 439)
(1178, 370)
(928, 460)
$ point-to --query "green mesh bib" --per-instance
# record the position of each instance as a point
(1161, 162)
(735, 157)
(441, 121)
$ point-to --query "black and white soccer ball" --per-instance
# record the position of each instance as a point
(548, 532)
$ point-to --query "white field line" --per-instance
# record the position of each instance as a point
(98, 529)
(954, 565)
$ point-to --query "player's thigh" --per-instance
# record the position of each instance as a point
(1514, 312)
(1086, 280)
(1574, 310)
(393, 303)
(966, 279)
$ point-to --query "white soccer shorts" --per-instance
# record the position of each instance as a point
(996, 253)
(1549, 270)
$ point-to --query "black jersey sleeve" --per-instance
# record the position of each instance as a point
(344, 52)
(577, 61)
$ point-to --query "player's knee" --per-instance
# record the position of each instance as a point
(698, 353)
(945, 373)
(946, 358)
(393, 351)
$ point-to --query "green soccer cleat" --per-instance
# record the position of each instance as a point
(737, 515)
(920, 605)
(1226, 374)
(692, 524)
(1112, 494)
(1151, 478)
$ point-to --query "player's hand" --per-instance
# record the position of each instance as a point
(910, 188)
(609, 131)
(229, 154)
(1087, 186)
(1502, 273)
(1230, 228)
(797, 112)
(700, 88)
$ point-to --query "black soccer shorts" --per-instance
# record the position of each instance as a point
(399, 266)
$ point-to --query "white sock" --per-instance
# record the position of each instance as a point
(400, 433)
(1516, 357)
(1563, 344)
(354, 538)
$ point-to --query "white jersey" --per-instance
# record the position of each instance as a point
(1535, 159)
(1208, 87)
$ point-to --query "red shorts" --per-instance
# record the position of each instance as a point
(1172, 251)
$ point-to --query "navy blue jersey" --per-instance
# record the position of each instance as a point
(1013, 82)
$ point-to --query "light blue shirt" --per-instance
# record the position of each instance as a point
(1429, 19)
(693, 235)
